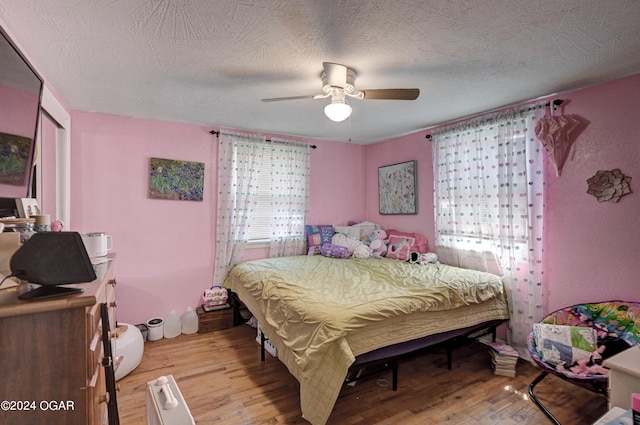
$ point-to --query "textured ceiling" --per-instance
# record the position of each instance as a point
(211, 61)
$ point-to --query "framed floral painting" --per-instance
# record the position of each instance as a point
(173, 179)
(397, 188)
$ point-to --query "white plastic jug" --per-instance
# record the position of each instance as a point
(189, 321)
(172, 326)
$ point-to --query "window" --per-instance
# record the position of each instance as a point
(273, 175)
(263, 191)
(260, 228)
(489, 180)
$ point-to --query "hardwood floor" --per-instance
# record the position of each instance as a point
(223, 381)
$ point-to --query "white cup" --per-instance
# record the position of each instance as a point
(97, 244)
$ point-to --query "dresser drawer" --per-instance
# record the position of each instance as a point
(96, 380)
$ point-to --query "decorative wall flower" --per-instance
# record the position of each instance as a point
(609, 185)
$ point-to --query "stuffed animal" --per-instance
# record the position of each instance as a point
(416, 258)
(591, 365)
(362, 251)
(352, 244)
(429, 257)
(378, 243)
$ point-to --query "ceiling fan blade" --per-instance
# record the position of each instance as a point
(391, 94)
(277, 99)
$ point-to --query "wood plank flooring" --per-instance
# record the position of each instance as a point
(223, 381)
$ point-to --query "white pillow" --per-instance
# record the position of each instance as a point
(366, 227)
(350, 231)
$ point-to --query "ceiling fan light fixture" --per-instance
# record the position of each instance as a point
(337, 110)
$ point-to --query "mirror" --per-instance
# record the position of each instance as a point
(20, 98)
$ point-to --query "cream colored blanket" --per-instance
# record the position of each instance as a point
(322, 312)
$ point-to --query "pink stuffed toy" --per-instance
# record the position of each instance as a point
(591, 365)
(378, 243)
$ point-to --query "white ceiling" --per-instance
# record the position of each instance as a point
(211, 61)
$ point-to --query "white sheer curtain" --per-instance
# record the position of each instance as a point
(489, 197)
(289, 196)
(239, 159)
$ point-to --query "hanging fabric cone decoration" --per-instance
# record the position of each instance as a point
(555, 133)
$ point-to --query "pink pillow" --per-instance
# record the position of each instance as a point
(421, 245)
(399, 247)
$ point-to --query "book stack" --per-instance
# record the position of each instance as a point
(503, 358)
(207, 308)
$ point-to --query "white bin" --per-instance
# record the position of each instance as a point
(127, 347)
(156, 329)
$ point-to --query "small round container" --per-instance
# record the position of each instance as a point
(43, 222)
(156, 328)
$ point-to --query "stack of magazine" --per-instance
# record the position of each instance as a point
(208, 308)
(503, 358)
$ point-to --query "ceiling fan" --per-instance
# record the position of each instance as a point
(338, 83)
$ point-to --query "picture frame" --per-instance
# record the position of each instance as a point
(175, 179)
(397, 184)
(15, 154)
(27, 207)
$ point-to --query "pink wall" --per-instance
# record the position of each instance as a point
(164, 249)
(592, 250)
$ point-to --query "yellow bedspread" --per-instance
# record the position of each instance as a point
(321, 312)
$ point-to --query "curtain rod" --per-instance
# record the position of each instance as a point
(555, 102)
(216, 133)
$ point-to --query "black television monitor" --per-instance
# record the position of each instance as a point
(51, 259)
(21, 89)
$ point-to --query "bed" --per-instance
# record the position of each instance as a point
(322, 313)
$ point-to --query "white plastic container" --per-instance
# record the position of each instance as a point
(156, 329)
(172, 325)
(128, 346)
(189, 321)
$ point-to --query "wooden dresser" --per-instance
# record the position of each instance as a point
(51, 353)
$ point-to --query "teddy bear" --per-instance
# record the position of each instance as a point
(377, 241)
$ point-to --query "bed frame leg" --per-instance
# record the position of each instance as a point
(537, 402)
(262, 340)
(449, 354)
(394, 375)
